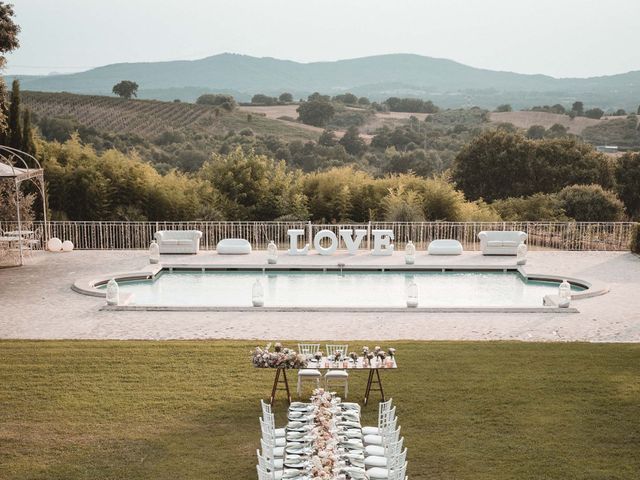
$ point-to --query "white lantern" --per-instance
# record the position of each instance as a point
(54, 244)
(564, 292)
(67, 246)
(521, 254)
(257, 294)
(412, 295)
(272, 253)
(410, 253)
(154, 252)
(113, 292)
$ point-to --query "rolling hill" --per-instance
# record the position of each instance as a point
(447, 83)
(149, 118)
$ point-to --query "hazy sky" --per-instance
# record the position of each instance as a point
(555, 37)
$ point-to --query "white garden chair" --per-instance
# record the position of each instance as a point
(338, 376)
(269, 434)
(383, 408)
(389, 425)
(391, 451)
(396, 471)
(308, 374)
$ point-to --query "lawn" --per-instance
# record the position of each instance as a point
(189, 410)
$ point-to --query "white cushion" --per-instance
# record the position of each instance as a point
(278, 463)
(233, 246)
(370, 431)
(495, 243)
(280, 442)
(170, 242)
(378, 472)
(509, 243)
(309, 372)
(277, 475)
(336, 373)
(278, 452)
(280, 432)
(372, 440)
(374, 450)
(375, 461)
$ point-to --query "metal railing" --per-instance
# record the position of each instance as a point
(612, 236)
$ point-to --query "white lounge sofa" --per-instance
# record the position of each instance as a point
(500, 242)
(445, 247)
(233, 246)
(178, 241)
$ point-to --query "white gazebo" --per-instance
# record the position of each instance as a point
(18, 166)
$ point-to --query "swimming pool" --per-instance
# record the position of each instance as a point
(335, 289)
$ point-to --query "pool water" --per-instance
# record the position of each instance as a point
(333, 289)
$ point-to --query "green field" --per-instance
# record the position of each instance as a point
(189, 410)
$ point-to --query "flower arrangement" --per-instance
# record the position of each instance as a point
(391, 352)
(280, 357)
(354, 356)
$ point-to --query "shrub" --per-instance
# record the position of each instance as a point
(218, 100)
(591, 203)
(538, 207)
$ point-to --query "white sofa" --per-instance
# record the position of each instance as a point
(501, 242)
(178, 241)
(445, 247)
(233, 246)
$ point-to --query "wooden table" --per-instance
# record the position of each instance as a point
(374, 381)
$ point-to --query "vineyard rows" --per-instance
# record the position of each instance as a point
(142, 117)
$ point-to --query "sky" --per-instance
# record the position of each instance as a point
(562, 38)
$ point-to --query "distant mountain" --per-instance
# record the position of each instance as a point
(447, 83)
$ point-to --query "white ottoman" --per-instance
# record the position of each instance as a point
(445, 247)
(233, 246)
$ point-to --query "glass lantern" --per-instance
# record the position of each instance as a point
(412, 295)
(113, 292)
(272, 253)
(154, 252)
(257, 294)
(521, 254)
(410, 253)
(564, 292)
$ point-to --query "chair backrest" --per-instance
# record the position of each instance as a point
(308, 348)
(268, 431)
(265, 463)
(333, 349)
(263, 474)
(392, 449)
(266, 408)
(400, 472)
(269, 418)
(387, 418)
(267, 449)
(383, 408)
(390, 436)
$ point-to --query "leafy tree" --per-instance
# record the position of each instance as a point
(285, 97)
(352, 142)
(317, 97)
(620, 112)
(594, 113)
(591, 203)
(14, 128)
(536, 132)
(400, 205)
(328, 138)
(8, 42)
(126, 89)
(346, 98)
(226, 102)
(261, 99)
(364, 101)
(556, 130)
(416, 105)
(628, 182)
(316, 113)
(537, 207)
(504, 108)
(499, 164)
(578, 108)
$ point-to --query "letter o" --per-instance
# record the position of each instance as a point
(325, 234)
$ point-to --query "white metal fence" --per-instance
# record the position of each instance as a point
(138, 235)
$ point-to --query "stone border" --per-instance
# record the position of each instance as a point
(88, 286)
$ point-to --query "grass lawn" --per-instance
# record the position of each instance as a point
(189, 410)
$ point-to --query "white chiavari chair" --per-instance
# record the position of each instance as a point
(383, 408)
(308, 374)
(337, 376)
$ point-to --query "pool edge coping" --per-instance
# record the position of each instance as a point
(87, 286)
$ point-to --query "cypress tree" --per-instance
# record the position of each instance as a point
(28, 142)
(15, 132)
(4, 110)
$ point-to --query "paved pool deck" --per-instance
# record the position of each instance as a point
(36, 302)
